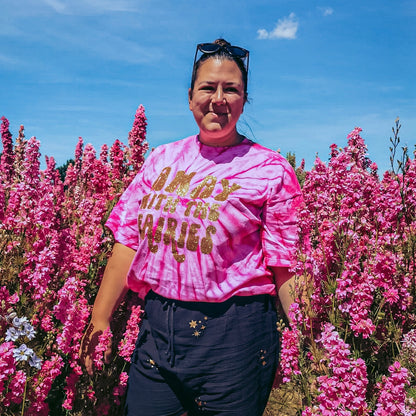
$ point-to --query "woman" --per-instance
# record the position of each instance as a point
(205, 233)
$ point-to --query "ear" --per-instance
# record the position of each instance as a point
(190, 98)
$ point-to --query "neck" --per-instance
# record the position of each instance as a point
(231, 140)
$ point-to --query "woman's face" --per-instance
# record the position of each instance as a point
(217, 101)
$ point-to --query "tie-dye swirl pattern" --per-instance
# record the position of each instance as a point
(206, 222)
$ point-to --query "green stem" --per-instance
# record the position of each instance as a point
(24, 399)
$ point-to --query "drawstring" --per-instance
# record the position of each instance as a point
(170, 352)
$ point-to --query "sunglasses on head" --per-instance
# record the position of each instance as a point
(234, 51)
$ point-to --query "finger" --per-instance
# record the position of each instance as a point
(89, 366)
(82, 355)
(107, 355)
(85, 346)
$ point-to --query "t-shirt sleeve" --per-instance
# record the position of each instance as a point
(280, 232)
(123, 218)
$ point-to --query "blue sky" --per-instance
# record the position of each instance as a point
(317, 70)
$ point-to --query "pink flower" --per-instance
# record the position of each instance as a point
(391, 295)
(104, 341)
(137, 140)
(289, 354)
(42, 383)
(409, 346)
(7, 156)
(124, 377)
(354, 248)
(74, 323)
(91, 393)
(7, 363)
(117, 160)
(46, 323)
(78, 153)
(127, 344)
(392, 397)
(16, 387)
(55, 248)
(345, 387)
(334, 150)
(70, 390)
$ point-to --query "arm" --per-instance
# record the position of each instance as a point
(112, 290)
(285, 285)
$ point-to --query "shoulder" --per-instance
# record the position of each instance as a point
(268, 156)
(175, 146)
(273, 166)
(169, 153)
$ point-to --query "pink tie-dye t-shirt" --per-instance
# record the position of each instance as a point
(206, 222)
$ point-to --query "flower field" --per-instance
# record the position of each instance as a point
(54, 247)
(351, 349)
(351, 346)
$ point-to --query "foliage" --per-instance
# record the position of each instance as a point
(54, 247)
(62, 169)
(351, 345)
(299, 170)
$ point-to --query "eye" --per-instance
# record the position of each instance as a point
(206, 88)
(231, 89)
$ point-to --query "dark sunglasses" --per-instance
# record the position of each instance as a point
(234, 51)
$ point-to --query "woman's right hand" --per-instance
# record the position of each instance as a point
(89, 342)
(112, 290)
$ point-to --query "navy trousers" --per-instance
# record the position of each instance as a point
(204, 358)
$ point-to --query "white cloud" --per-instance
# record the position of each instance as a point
(286, 28)
(6, 60)
(263, 34)
(79, 7)
(58, 6)
(102, 43)
(327, 11)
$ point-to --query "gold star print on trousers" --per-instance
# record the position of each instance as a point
(198, 327)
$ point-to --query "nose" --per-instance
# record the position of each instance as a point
(218, 96)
